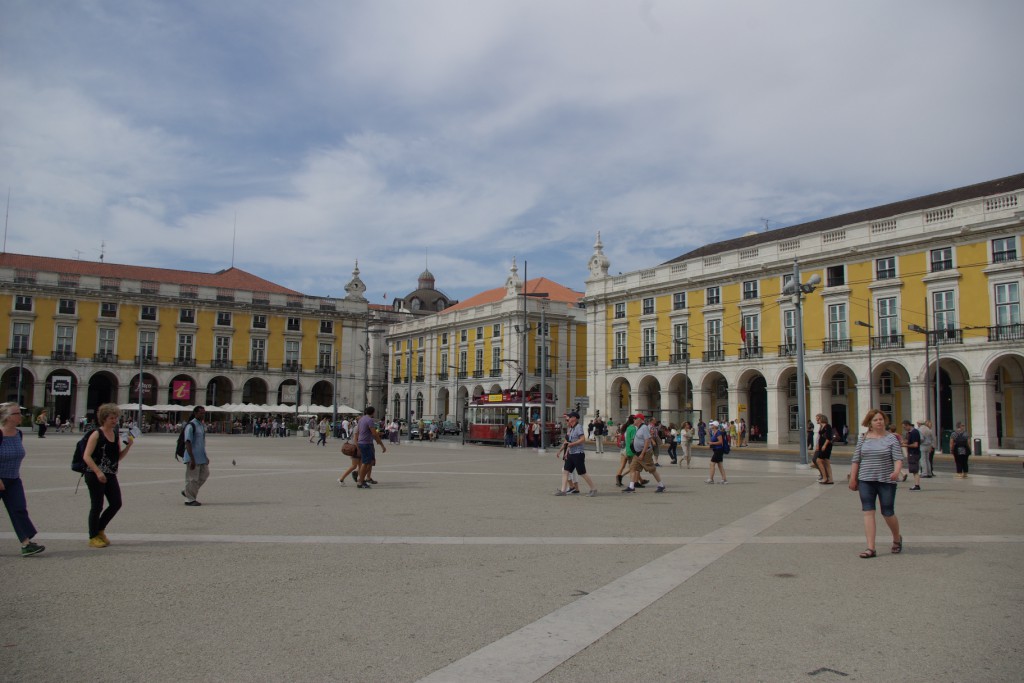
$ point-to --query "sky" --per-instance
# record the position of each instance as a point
(295, 139)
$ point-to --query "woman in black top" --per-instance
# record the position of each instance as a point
(823, 453)
(103, 454)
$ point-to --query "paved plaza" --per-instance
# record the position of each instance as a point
(462, 566)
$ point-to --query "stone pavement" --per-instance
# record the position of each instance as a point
(462, 566)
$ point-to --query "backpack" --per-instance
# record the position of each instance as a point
(78, 458)
(960, 443)
(725, 443)
(179, 448)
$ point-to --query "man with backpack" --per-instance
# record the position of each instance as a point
(197, 464)
(959, 446)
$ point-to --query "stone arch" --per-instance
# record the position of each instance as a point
(714, 391)
(680, 401)
(150, 390)
(61, 404)
(837, 397)
(648, 396)
(1004, 375)
(322, 393)
(218, 391)
(181, 390)
(620, 399)
(255, 390)
(752, 387)
(9, 385)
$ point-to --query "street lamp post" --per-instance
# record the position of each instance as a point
(871, 367)
(797, 290)
(927, 336)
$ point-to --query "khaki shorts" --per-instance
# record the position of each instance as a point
(642, 463)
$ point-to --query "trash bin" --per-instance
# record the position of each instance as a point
(977, 447)
(947, 434)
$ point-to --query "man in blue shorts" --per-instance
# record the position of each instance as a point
(575, 457)
(366, 434)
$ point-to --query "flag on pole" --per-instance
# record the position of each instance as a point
(743, 333)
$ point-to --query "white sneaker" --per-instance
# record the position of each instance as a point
(709, 481)
(724, 481)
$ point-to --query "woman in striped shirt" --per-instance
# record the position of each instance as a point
(876, 467)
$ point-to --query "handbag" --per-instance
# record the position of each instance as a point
(348, 448)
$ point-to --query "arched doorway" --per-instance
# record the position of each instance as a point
(17, 386)
(182, 391)
(757, 408)
(254, 391)
(61, 389)
(649, 396)
(218, 391)
(322, 394)
(103, 389)
(620, 400)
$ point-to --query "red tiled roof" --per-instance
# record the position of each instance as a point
(229, 278)
(554, 291)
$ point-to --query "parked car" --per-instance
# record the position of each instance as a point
(450, 427)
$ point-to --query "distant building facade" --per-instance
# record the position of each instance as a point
(710, 334)
(80, 333)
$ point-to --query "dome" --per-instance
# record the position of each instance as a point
(426, 280)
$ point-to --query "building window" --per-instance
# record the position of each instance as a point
(1004, 249)
(886, 409)
(444, 339)
(649, 343)
(680, 338)
(794, 417)
(463, 362)
(648, 306)
(885, 383)
(148, 313)
(944, 309)
(187, 315)
(942, 259)
(786, 279)
(20, 338)
(620, 310)
(888, 319)
(1008, 304)
(837, 328)
(839, 384)
(463, 335)
(478, 360)
(325, 357)
(326, 327)
(620, 345)
(752, 331)
(67, 307)
(791, 387)
(496, 359)
(224, 318)
(222, 349)
(749, 289)
(294, 325)
(885, 268)
(714, 296)
(108, 309)
(419, 367)
(789, 328)
(291, 352)
(444, 363)
(835, 276)
(107, 341)
(398, 369)
(714, 335)
(258, 352)
(480, 332)
(147, 344)
(496, 330)
(259, 322)
(678, 301)
(184, 347)
(22, 303)
(65, 339)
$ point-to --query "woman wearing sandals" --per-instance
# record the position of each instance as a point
(876, 465)
(103, 454)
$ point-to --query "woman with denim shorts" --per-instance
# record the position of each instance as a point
(876, 465)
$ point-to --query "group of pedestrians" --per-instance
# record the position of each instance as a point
(364, 458)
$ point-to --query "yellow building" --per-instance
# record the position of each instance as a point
(498, 340)
(710, 335)
(81, 333)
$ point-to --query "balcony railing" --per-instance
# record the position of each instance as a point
(887, 341)
(418, 378)
(679, 358)
(837, 345)
(104, 357)
(145, 358)
(442, 376)
(324, 370)
(546, 372)
(184, 362)
(751, 352)
(647, 361)
(19, 352)
(291, 366)
(221, 364)
(64, 356)
(618, 363)
(463, 374)
(477, 374)
(1011, 332)
(256, 365)
(788, 350)
(495, 372)
(713, 356)
(947, 337)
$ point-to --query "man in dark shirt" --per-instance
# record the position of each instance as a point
(823, 453)
(913, 441)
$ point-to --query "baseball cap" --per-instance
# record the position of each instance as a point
(638, 416)
(573, 414)
(713, 423)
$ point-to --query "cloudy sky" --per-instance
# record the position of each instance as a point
(467, 132)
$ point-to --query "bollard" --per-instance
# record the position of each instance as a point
(977, 447)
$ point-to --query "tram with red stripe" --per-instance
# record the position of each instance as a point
(488, 415)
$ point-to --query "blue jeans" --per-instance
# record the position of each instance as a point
(17, 508)
(885, 491)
